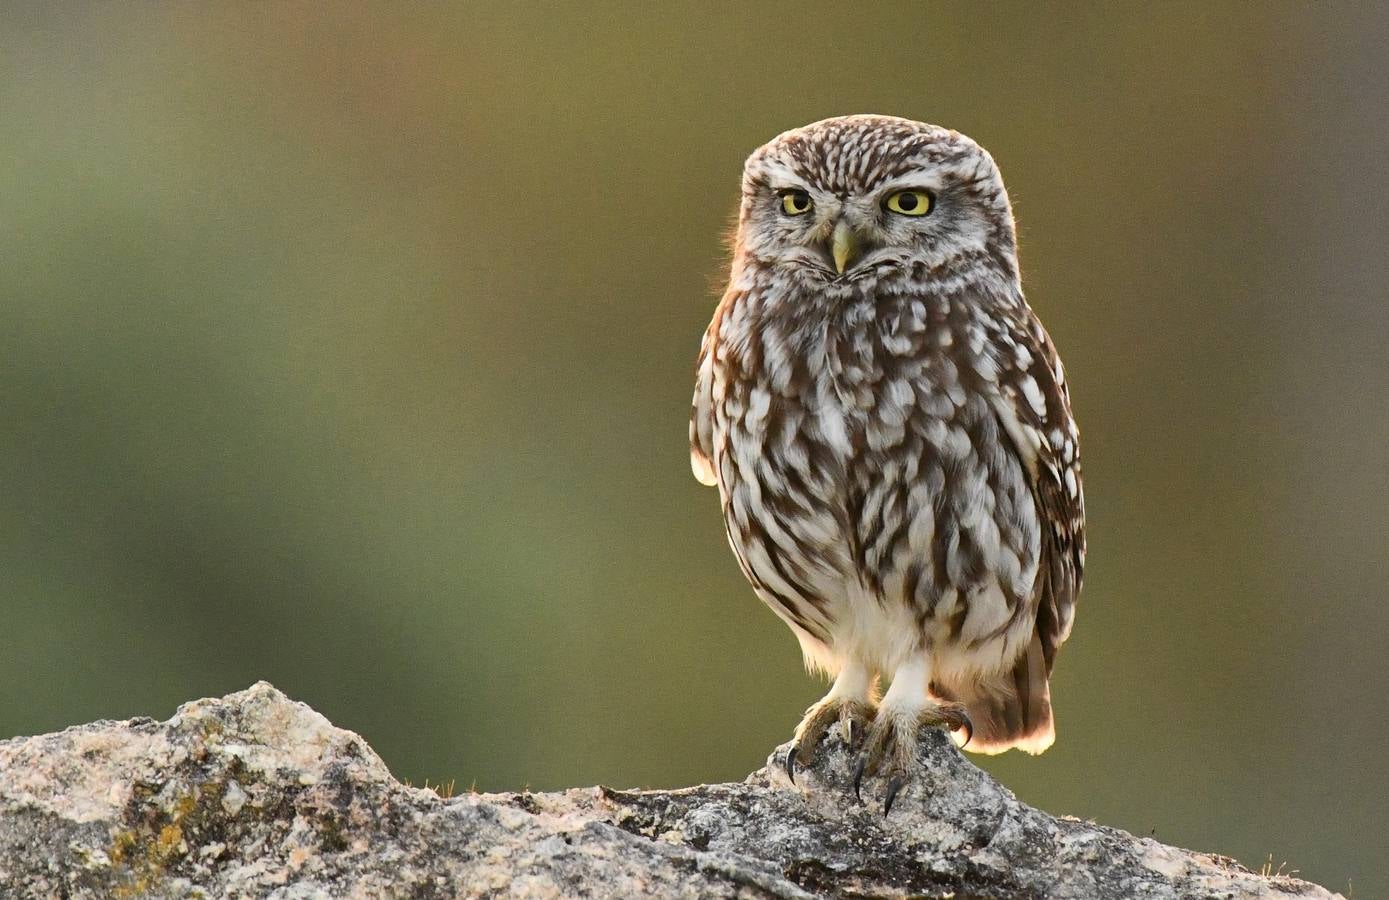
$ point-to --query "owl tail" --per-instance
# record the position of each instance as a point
(1012, 709)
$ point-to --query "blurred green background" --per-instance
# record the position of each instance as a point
(351, 348)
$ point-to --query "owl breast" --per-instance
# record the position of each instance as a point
(869, 490)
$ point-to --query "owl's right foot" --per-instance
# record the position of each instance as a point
(851, 714)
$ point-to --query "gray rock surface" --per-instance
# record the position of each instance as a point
(255, 795)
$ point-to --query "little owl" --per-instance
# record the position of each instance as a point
(890, 431)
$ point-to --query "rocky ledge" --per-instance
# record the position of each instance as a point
(256, 795)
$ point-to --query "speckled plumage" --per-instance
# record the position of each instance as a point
(893, 444)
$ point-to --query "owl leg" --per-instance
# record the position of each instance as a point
(891, 744)
(849, 703)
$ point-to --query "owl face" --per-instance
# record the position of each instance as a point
(859, 199)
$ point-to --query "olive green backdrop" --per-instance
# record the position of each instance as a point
(351, 348)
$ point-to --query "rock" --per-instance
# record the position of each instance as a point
(255, 795)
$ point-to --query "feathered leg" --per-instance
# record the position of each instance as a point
(849, 702)
(891, 744)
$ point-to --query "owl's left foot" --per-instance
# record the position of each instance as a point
(891, 745)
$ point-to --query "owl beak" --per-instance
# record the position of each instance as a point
(843, 245)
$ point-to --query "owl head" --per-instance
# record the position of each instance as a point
(856, 200)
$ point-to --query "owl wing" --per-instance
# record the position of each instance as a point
(702, 410)
(1034, 408)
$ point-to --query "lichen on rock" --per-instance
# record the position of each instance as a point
(256, 795)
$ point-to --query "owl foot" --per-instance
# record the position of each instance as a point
(890, 748)
(853, 717)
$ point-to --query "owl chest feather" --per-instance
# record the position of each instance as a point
(861, 465)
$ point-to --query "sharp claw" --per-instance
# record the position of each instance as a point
(791, 763)
(894, 784)
(858, 776)
(968, 727)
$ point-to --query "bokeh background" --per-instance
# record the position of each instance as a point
(351, 348)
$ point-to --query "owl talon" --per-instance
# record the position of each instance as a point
(954, 717)
(791, 763)
(859, 768)
(894, 785)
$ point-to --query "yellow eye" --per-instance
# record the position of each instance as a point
(911, 203)
(795, 203)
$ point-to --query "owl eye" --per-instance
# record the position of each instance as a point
(910, 203)
(795, 203)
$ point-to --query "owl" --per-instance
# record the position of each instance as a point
(890, 432)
